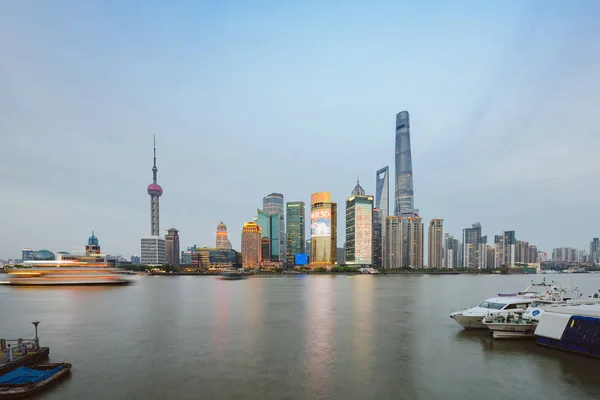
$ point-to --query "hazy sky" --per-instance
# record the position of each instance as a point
(249, 98)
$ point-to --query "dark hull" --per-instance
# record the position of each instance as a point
(20, 391)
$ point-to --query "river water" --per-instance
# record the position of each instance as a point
(317, 337)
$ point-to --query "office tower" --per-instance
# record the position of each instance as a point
(269, 226)
(153, 247)
(450, 251)
(273, 205)
(135, 260)
(172, 247)
(482, 253)
(222, 237)
(382, 204)
(359, 227)
(403, 200)
(378, 244)
(295, 231)
(153, 251)
(394, 242)
(594, 256)
(521, 252)
(323, 229)
(308, 248)
(92, 247)
(436, 234)
(509, 243)
(27, 254)
(265, 249)
(251, 246)
(415, 242)
(471, 240)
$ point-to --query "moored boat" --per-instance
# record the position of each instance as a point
(25, 381)
(510, 325)
(472, 318)
(233, 275)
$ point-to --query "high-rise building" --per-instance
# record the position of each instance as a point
(499, 251)
(341, 256)
(251, 246)
(382, 204)
(415, 242)
(451, 251)
(378, 244)
(595, 250)
(491, 256)
(153, 251)
(404, 197)
(92, 247)
(435, 244)
(222, 237)
(394, 242)
(269, 227)
(135, 260)
(510, 242)
(265, 250)
(172, 247)
(359, 227)
(295, 231)
(273, 205)
(153, 247)
(323, 229)
(27, 254)
(308, 248)
(471, 246)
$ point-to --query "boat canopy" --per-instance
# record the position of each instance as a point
(24, 375)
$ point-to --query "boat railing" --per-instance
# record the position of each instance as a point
(11, 347)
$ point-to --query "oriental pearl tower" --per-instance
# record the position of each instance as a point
(155, 191)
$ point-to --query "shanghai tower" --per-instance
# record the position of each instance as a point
(404, 200)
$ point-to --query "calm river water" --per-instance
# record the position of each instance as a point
(318, 337)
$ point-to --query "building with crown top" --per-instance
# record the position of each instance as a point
(359, 227)
(222, 237)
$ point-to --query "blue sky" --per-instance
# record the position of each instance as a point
(249, 98)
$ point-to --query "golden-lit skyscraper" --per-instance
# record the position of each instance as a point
(436, 237)
(394, 240)
(414, 240)
(251, 250)
(323, 229)
(222, 238)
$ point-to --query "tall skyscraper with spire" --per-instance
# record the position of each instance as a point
(404, 199)
(155, 191)
(153, 250)
(382, 204)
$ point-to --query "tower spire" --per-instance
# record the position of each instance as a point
(154, 169)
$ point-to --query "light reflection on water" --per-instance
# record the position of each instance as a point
(291, 338)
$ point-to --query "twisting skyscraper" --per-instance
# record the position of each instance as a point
(404, 201)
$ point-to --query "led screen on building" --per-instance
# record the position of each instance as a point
(364, 233)
(320, 223)
(301, 259)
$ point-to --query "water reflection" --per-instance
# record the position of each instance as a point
(362, 301)
(319, 337)
(219, 333)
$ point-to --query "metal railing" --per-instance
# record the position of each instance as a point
(18, 347)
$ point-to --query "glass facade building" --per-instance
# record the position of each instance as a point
(273, 205)
(382, 204)
(269, 227)
(295, 231)
(377, 240)
(404, 196)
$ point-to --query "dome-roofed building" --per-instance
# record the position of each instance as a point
(222, 239)
(44, 255)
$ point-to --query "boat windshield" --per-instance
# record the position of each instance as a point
(493, 306)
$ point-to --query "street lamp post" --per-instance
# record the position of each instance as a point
(36, 339)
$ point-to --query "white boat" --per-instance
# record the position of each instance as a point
(472, 318)
(65, 276)
(522, 323)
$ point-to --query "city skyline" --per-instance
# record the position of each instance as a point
(483, 118)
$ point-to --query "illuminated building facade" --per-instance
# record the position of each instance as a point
(251, 246)
(435, 243)
(222, 238)
(273, 205)
(394, 243)
(323, 227)
(211, 258)
(295, 231)
(172, 247)
(359, 228)
(415, 235)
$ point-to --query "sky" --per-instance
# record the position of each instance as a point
(250, 98)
